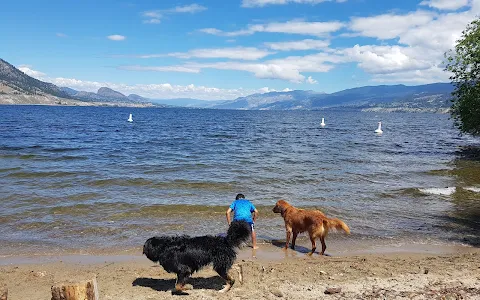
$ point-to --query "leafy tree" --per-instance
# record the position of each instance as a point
(464, 63)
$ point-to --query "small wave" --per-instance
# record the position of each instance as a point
(121, 182)
(44, 174)
(65, 149)
(472, 189)
(446, 191)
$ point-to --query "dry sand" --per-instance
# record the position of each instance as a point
(452, 273)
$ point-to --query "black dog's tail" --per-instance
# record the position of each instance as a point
(238, 232)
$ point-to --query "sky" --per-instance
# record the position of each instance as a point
(224, 49)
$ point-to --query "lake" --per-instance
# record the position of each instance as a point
(83, 178)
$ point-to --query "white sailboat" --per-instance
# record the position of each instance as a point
(379, 129)
(130, 119)
(323, 122)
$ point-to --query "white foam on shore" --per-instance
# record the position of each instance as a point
(472, 189)
(447, 191)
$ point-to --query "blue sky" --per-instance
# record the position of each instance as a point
(225, 49)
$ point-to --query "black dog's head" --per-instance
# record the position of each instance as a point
(154, 247)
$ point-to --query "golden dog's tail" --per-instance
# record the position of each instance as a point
(337, 224)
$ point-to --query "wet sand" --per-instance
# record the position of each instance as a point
(406, 272)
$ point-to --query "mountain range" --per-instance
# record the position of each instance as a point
(17, 87)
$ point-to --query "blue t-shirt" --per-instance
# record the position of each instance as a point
(242, 210)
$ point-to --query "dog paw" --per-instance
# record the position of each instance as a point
(225, 289)
(179, 292)
(188, 287)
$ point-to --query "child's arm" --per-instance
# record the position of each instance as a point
(229, 210)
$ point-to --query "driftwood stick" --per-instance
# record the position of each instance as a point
(85, 290)
(3, 293)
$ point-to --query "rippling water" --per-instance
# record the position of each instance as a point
(83, 177)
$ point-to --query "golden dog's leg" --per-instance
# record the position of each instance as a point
(324, 246)
(289, 232)
(314, 245)
(294, 238)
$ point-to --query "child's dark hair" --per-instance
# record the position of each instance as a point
(240, 196)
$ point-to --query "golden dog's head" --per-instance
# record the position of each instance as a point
(280, 207)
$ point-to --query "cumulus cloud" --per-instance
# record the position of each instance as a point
(290, 27)
(27, 70)
(311, 80)
(261, 3)
(417, 55)
(389, 26)
(445, 4)
(116, 37)
(385, 59)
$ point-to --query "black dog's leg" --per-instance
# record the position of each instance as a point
(223, 272)
(180, 286)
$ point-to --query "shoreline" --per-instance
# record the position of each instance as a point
(267, 252)
(410, 273)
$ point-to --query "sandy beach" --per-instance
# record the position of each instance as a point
(410, 272)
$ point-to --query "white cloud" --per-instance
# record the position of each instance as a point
(192, 8)
(116, 37)
(311, 80)
(154, 16)
(62, 35)
(422, 38)
(389, 26)
(287, 90)
(152, 21)
(27, 70)
(445, 4)
(289, 27)
(260, 70)
(261, 3)
(433, 74)
(385, 59)
(160, 69)
(307, 44)
(242, 53)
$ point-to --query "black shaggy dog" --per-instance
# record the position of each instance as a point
(184, 255)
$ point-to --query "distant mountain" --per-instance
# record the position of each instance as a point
(69, 91)
(400, 97)
(104, 94)
(188, 102)
(137, 98)
(111, 94)
(20, 83)
(17, 87)
(271, 101)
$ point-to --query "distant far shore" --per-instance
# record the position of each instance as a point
(55, 101)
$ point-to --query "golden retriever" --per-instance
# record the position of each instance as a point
(313, 221)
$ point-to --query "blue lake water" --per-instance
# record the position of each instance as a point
(84, 178)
